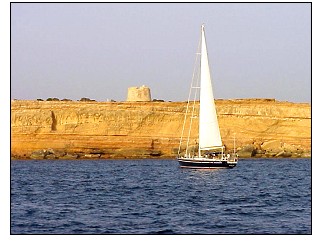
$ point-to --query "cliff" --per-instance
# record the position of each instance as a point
(69, 129)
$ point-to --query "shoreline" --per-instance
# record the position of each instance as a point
(144, 158)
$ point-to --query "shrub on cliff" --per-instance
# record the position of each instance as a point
(156, 100)
(52, 99)
(86, 99)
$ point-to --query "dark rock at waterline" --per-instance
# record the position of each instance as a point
(247, 151)
(40, 154)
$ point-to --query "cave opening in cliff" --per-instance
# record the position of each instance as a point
(54, 121)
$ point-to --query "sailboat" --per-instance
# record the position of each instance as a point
(205, 150)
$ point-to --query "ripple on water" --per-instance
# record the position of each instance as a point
(157, 197)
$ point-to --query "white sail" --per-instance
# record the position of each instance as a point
(209, 132)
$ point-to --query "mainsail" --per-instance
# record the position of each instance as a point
(209, 132)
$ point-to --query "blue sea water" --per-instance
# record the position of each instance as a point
(259, 196)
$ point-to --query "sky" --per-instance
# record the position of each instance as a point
(98, 50)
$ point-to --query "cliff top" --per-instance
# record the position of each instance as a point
(252, 100)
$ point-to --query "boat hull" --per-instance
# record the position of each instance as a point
(205, 163)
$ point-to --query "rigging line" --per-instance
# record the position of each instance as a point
(188, 100)
(195, 78)
(193, 107)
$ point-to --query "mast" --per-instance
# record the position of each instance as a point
(234, 151)
(209, 132)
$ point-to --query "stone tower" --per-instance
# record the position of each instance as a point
(142, 93)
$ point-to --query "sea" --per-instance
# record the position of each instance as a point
(151, 196)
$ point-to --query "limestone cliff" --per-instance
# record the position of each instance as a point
(69, 129)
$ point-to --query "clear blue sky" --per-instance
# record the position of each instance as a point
(97, 51)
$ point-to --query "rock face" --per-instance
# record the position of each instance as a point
(71, 129)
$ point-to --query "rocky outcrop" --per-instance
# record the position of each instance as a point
(73, 129)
